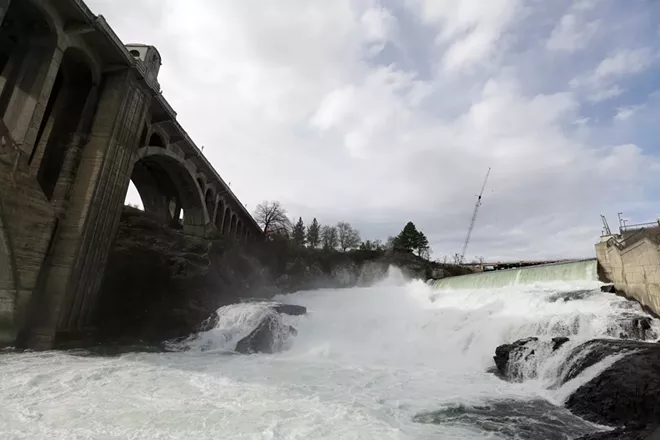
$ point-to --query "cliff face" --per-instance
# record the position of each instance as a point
(160, 284)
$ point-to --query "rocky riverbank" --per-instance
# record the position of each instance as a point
(625, 395)
(161, 284)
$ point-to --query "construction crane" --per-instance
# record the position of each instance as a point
(474, 217)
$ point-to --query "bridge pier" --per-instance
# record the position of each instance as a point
(95, 197)
(76, 110)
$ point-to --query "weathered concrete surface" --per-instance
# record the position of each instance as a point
(633, 266)
(80, 117)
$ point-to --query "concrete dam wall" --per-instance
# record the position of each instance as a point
(633, 266)
(583, 270)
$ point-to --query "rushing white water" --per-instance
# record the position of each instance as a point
(398, 360)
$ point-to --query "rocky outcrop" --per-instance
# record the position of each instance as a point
(649, 432)
(160, 284)
(268, 337)
(516, 361)
(625, 394)
(289, 309)
(504, 354)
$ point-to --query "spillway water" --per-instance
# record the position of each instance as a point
(397, 360)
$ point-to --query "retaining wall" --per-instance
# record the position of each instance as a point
(633, 268)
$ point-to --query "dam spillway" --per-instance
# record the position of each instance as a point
(580, 270)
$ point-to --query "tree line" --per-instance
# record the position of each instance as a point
(273, 218)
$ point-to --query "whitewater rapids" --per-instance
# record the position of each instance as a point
(398, 360)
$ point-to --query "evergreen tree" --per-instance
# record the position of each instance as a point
(410, 239)
(298, 233)
(407, 239)
(423, 248)
(313, 234)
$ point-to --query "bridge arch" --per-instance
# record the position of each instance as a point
(167, 187)
(156, 140)
(29, 36)
(66, 119)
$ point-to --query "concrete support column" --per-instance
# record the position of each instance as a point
(31, 81)
(214, 213)
(39, 112)
(10, 78)
(69, 282)
(75, 144)
(39, 130)
(221, 229)
(8, 285)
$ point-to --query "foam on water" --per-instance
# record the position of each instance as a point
(364, 363)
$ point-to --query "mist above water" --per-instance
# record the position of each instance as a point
(397, 360)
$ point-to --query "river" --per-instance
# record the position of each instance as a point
(397, 360)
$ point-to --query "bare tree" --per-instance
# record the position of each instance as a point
(348, 237)
(271, 216)
(329, 237)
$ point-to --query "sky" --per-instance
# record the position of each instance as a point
(384, 112)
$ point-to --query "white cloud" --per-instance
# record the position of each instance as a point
(601, 83)
(571, 34)
(605, 94)
(290, 104)
(625, 62)
(625, 113)
(472, 28)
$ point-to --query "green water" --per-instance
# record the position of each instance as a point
(584, 270)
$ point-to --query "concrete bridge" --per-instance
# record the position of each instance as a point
(81, 116)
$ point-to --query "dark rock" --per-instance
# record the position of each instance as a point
(632, 325)
(608, 288)
(558, 342)
(628, 433)
(503, 355)
(209, 323)
(511, 419)
(261, 339)
(290, 309)
(267, 337)
(627, 391)
(570, 296)
(594, 351)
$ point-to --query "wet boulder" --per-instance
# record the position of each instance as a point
(505, 353)
(649, 432)
(591, 352)
(271, 332)
(558, 342)
(290, 309)
(262, 338)
(628, 391)
(632, 326)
